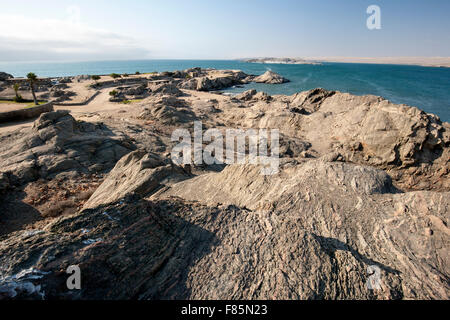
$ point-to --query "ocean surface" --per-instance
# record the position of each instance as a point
(424, 87)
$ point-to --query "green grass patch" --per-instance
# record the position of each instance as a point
(11, 102)
(25, 104)
(131, 101)
(33, 105)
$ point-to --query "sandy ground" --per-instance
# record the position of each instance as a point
(419, 61)
(11, 126)
(100, 103)
(6, 107)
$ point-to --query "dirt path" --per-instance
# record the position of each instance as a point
(6, 107)
(100, 103)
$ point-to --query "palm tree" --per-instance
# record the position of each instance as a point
(32, 79)
(16, 90)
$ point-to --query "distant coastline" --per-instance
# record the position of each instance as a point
(280, 61)
(437, 62)
(427, 87)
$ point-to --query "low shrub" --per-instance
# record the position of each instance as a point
(19, 99)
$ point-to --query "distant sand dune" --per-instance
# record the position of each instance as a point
(420, 61)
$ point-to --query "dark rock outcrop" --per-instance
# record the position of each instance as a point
(5, 76)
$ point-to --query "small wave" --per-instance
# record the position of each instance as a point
(305, 79)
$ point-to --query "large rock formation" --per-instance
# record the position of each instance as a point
(362, 194)
(58, 143)
(137, 173)
(411, 145)
(407, 142)
(165, 89)
(270, 77)
(253, 95)
(215, 81)
(167, 110)
(315, 231)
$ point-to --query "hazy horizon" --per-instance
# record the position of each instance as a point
(84, 30)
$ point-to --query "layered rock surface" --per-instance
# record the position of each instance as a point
(363, 186)
(215, 81)
(58, 143)
(270, 77)
(314, 239)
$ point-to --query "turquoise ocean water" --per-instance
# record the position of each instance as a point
(424, 87)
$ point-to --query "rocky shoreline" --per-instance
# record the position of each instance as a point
(363, 183)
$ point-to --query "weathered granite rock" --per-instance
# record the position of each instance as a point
(82, 78)
(138, 90)
(354, 213)
(262, 96)
(309, 101)
(253, 95)
(270, 77)
(374, 131)
(316, 231)
(58, 143)
(188, 73)
(246, 95)
(411, 145)
(64, 94)
(167, 110)
(165, 89)
(215, 82)
(137, 173)
(339, 209)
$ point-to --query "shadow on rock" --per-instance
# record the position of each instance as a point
(331, 245)
(132, 249)
(15, 214)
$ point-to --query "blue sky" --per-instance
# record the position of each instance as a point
(143, 29)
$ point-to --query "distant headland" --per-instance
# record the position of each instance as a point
(280, 61)
(442, 62)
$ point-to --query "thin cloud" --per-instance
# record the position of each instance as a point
(22, 38)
